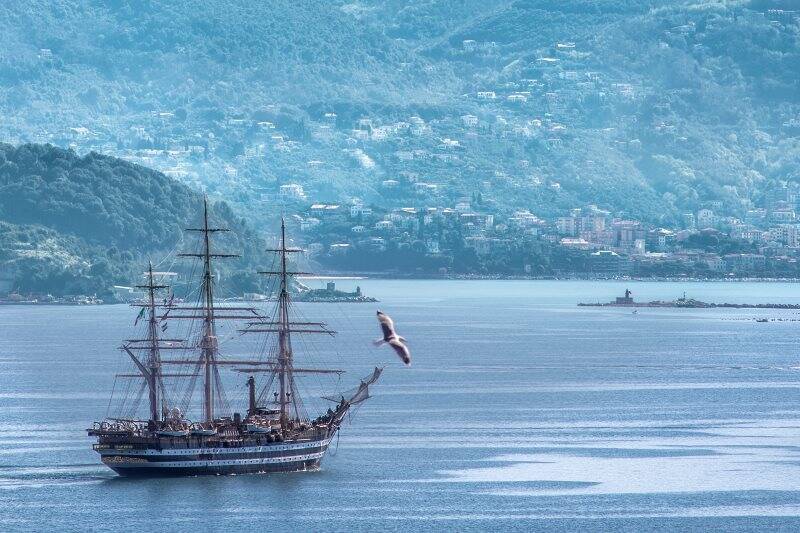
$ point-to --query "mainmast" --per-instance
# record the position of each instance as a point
(285, 348)
(208, 343)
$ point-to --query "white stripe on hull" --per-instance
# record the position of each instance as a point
(216, 451)
(122, 460)
(214, 463)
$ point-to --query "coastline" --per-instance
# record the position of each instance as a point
(464, 277)
(501, 277)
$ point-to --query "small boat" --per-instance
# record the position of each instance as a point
(97, 432)
(252, 428)
(172, 432)
(203, 432)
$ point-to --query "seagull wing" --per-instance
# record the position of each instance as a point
(387, 326)
(401, 350)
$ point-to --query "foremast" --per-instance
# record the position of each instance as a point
(154, 360)
(151, 368)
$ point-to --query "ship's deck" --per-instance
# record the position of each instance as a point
(150, 440)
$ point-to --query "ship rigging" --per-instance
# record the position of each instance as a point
(168, 443)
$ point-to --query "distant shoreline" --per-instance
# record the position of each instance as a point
(386, 277)
(489, 277)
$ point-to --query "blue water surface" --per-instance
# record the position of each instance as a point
(520, 412)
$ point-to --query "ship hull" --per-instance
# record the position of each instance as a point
(163, 462)
(299, 466)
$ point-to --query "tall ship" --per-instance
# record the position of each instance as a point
(274, 434)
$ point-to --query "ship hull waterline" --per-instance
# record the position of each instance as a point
(261, 459)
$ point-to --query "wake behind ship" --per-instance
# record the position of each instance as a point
(275, 434)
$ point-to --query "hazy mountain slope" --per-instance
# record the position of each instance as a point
(80, 224)
(158, 54)
(649, 108)
(705, 89)
(422, 21)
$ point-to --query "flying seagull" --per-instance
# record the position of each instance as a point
(391, 337)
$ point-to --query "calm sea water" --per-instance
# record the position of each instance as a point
(521, 411)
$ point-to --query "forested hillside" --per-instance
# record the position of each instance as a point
(646, 108)
(78, 225)
(205, 57)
